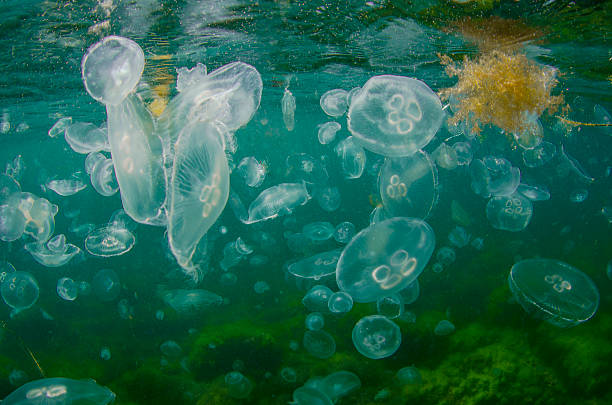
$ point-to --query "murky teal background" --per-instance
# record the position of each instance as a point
(497, 354)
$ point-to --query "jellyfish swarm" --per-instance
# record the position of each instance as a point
(199, 188)
(554, 291)
(384, 258)
(60, 391)
(376, 337)
(394, 115)
(409, 185)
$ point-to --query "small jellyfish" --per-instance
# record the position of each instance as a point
(66, 187)
(437, 267)
(84, 138)
(125, 309)
(160, 315)
(106, 285)
(328, 198)
(105, 353)
(288, 108)
(171, 349)
(318, 231)
(444, 328)
(253, 172)
(411, 293)
(19, 290)
(352, 158)
(534, 193)
(260, 287)
(445, 157)
(319, 343)
(463, 150)
(288, 375)
(579, 195)
(112, 68)
(317, 298)
(540, 155)
(53, 253)
(459, 237)
(310, 396)
(391, 306)
(494, 176)
(334, 102)
(340, 302)
(109, 241)
(228, 279)
(327, 132)
(238, 386)
(344, 232)
(408, 375)
(60, 126)
(314, 321)
(509, 213)
(67, 289)
(339, 384)
(103, 178)
(376, 337)
(18, 377)
(477, 243)
(317, 266)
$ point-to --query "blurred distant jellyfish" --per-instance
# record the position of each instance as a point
(459, 237)
(171, 349)
(327, 132)
(288, 108)
(67, 289)
(334, 102)
(409, 186)
(288, 375)
(17, 377)
(408, 375)
(318, 231)
(579, 195)
(238, 386)
(391, 306)
(352, 158)
(260, 287)
(105, 353)
(339, 384)
(191, 301)
(411, 293)
(109, 241)
(394, 115)
(253, 172)
(19, 290)
(437, 267)
(310, 396)
(125, 309)
(328, 198)
(444, 328)
(228, 279)
(509, 213)
(308, 169)
(477, 243)
(446, 255)
(112, 68)
(53, 253)
(376, 337)
(397, 251)
(340, 302)
(160, 315)
(317, 298)
(344, 232)
(106, 285)
(59, 391)
(319, 343)
(314, 321)
(554, 291)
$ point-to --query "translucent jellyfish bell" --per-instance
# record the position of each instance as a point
(339, 384)
(445, 157)
(12, 223)
(352, 158)
(103, 177)
(199, 188)
(394, 115)
(340, 302)
(317, 266)
(494, 176)
(317, 298)
(112, 68)
(60, 391)
(384, 258)
(344, 232)
(540, 155)
(328, 198)
(66, 187)
(444, 328)
(109, 241)
(19, 290)
(106, 285)
(391, 306)
(253, 172)
(327, 132)
(67, 289)
(277, 200)
(5, 269)
(238, 386)
(310, 396)
(334, 102)
(318, 231)
(288, 108)
(319, 343)
(376, 337)
(409, 185)
(84, 137)
(53, 253)
(511, 213)
(314, 321)
(554, 291)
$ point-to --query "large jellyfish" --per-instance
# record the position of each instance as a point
(554, 291)
(384, 258)
(60, 391)
(199, 188)
(394, 115)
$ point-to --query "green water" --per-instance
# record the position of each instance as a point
(498, 354)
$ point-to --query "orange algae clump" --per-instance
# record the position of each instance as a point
(503, 88)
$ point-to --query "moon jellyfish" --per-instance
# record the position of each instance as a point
(394, 115)
(328, 198)
(579, 195)
(253, 172)
(384, 258)
(531, 136)
(540, 155)
(137, 158)
(84, 138)
(5, 269)
(318, 231)
(106, 285)
(408, 375)
(409, 185)
(554, 291)
(494, 176)
(317, 298)
(339, 384)
(199, 189)
(391, 306)
(445, 157)
(352, 158)
(288, 375)
(288, 107)
(534, 193)
(59, 127)
(317, 266)
(53, 253)
(310, 396)
(66, 187)
(511, 213)
(19, 290)
(103, 177)
(444, 328)
(277, 200)
(39, 215)
(319, 343)
(437, 267)
(112, 68)
(171, 349)
(109, 241)
(67, 289)
(59, 391)
(190, 301)
(463, 151)
(340, 302)
(307, 168)
(186, 78)
(446, 255)
(334, 102)
(238, 386)
(12, 223)
(314, 321)
(459, 237)
(327, 132)
(344, 232)
(376, 337)
(260, 287)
